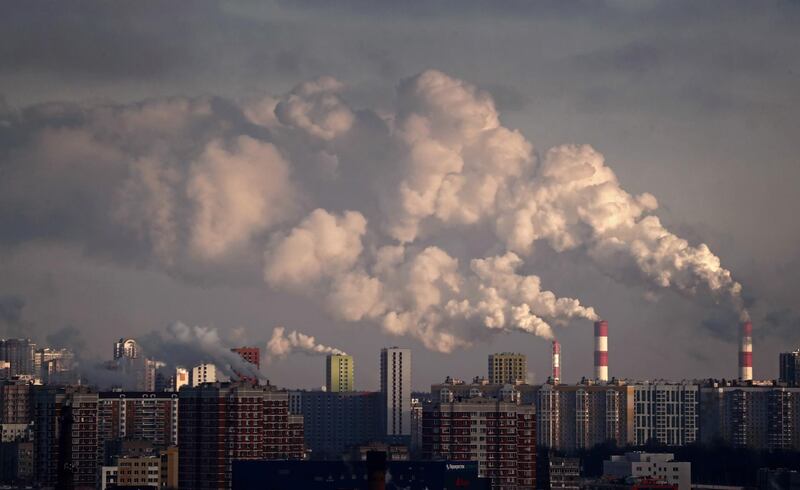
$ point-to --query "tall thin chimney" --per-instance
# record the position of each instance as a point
(746, 352)
(601, 350)
(556, 362)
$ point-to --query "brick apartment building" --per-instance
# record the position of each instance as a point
(222, 422)
(499, 435)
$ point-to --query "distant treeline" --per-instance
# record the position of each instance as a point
(712, 464)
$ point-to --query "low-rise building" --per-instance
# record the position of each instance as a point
(143, 471)
(108, 477)
(653, 467)
(564, 473)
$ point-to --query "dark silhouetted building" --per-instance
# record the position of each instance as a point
(15, 401)
(47, 402)
(224, 422)
(336, 422)
(778, 479)
(395, 371)
(744, 415)
(357, 475)
(790, 368)
(19, 354)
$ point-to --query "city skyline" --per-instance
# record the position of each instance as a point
(117, 219)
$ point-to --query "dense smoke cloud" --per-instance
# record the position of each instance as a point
(294, 186)
(188, 346)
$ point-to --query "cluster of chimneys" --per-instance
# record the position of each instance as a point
(601, 353)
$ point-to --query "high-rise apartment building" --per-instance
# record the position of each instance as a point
(203, 373)
(145, 370)
(47, 402)
(339, 373)
(126, 348)
(54, 366)
(337, 422)
(81, 449)
(508, 367)
(743, 415)
(499, 435)
(222, 422)
(571, 417)
(790, 368)
(139, 416)
(396, 391)
(568, 417)
(15, 401)
(65, 446)
(20, 355)
(666, 412)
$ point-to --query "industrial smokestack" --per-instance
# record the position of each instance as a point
(556, 362)
(601, 350)
(746, 352)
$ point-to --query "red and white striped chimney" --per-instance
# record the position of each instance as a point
(556, 362)
(601, 350)
(746, 352)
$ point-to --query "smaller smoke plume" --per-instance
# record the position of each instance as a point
(282, 344)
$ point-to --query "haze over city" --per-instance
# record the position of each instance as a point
(460, 179)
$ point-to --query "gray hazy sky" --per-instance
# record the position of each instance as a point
(694, 102)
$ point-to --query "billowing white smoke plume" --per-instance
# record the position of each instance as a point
(353, 207)
(282, 344)
(458, 166)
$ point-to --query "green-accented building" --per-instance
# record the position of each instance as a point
(339, 371)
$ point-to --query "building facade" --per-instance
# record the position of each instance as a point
(15, 404)
(203, 373)
(743, 415)
(666, 412)
(499, 435)
(568, 417)
(395, 371)
(222, 422)
(54, 366)
(790, 368)
(252, 356)
(508, 367)
(573, 417)
(20, 355)
(337, 422)
(660, 468)
(564, 473)
(142, 471)
(79, 452)
(339, 373)
(137, 416)
(126, 348)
